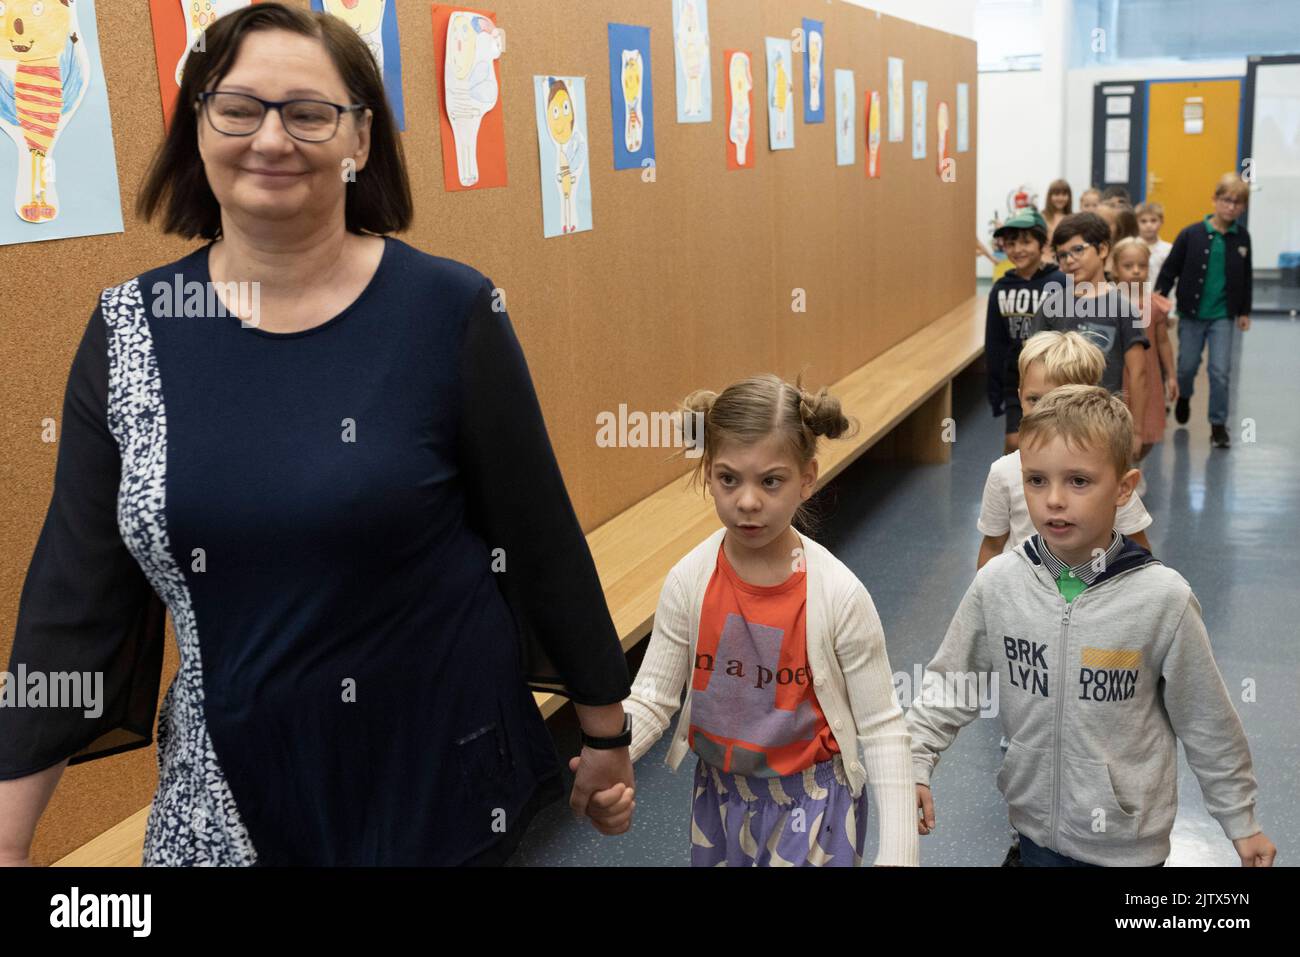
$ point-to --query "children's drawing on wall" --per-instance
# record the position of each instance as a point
(845, 113)
(53, 105)
(631, 96)
(740, 109)
(814, 69)
(918, 118)
(562, 143)
(375, 21)
(896, 121)
(199, 15)
(178, 27)
(941, 135)
(873, 134)
(963, 117)
(694, 70)
(467, 50)
(633, 74)
(780, 94)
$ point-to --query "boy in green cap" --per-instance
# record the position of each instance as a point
(1013, 300)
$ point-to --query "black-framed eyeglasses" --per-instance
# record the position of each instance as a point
(241, 114)
(1074, 252)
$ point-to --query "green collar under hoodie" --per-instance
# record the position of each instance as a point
(1094, 695)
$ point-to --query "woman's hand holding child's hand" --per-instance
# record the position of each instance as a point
(610, 809)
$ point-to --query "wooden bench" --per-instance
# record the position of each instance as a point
(900, 400)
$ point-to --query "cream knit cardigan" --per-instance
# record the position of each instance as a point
(851, 677)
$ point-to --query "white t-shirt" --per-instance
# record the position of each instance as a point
(1004, 508)
(1159, 253)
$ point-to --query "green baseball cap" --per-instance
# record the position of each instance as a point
(1026, 218)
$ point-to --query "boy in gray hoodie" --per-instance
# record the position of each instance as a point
(1103, 660)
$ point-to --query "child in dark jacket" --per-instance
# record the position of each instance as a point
(1013, 300)
(1211, 262)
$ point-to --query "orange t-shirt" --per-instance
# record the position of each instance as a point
(753, 710)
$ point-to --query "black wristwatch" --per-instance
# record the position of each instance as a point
(623, 740)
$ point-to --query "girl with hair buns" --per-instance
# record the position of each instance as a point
(790, 706)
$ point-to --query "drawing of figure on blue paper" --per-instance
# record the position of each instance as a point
(44, 75)
(562, 115)
(633, 81)
(815, 70)
(367, 18)
(780, 96)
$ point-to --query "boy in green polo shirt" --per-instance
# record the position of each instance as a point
(1211, 263)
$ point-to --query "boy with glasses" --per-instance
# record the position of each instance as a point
(1097, 309)
(1211, 262)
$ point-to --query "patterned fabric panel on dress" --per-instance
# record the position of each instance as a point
(806, 819)
(193, 820)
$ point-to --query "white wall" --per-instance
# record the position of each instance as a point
(1017, 120)
(1021, 128)
(1079, 85)
(950, 16)
(1275, 212)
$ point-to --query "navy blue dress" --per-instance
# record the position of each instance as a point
(368, 553)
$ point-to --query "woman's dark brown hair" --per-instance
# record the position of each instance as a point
(176, 185)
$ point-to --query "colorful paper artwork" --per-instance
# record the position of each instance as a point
(780, 94)
(562, 143)
(941, 135)
(896, 116)
(919, 88)
(54, 107)
(375, 21)
(467, 49)
(845, 115)
(740, 109)
(694, 67)
(873, 134)
(178, 27)
(814, 70)
(631, 96)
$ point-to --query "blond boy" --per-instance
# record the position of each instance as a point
(1104, 663)
(1047, 360)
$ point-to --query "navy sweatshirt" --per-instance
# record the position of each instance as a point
(321, 513)
(1189, 259)
(1012, 304)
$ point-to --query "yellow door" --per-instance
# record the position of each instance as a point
(1183, 163)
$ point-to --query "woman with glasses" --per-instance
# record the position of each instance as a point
(320, 450)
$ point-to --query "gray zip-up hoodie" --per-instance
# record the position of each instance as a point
(1094, 696)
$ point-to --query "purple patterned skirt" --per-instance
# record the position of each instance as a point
(806, 819)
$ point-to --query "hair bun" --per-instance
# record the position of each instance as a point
(821, 413)
(700, 401)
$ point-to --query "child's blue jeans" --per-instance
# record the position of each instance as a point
(1192, 335)
(1031, 855)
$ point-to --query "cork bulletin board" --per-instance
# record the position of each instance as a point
(685, 282)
